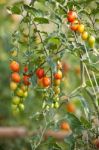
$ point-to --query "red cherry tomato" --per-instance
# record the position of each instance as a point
(26, 69)
(26, 80)
(71, 16)
(40, 73)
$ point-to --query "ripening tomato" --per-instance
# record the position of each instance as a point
(81, 28)
(84, 35)
(19, 92)
(26, 80)
(46, 81)
(65, 126)
(16, 77)
(58, 75)
(65, 67)
(59, 65)
(14, 66)
(40, 73)
(74, 25)
(16, 100)
(57, 82)
(71, 16)
(25, 94)
(91, 41)
(13, 85)
(26, 69)
(70, 107)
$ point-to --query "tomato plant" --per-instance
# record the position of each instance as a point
(41, 45)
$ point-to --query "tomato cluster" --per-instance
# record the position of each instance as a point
(19, 89)
(77, 26)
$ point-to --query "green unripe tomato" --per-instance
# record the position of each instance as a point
(52, 106)
(91, 41)
(56, 105)
(56, 97)
(56, 89)
(19, 92)
(16, 100)
(21, 107)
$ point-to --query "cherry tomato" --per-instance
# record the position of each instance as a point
(57, 82)
(14, 66)
(71, 16)
(84, 35)
(74, 25)
(40, 73)
(65, 126)
(16, 100)
(56, 90)
(70, 107)
(19, 92)
(81, 28)
(58, 75)
(15, 77)
(26, 69)
(91, 41)
(46, 81)
(26, 80)
(21, 107)
(13, 85)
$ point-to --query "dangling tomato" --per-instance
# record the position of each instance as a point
(71, 16)
(14, 66)
(74, 25)
(58, 75)
(26, 80)
(16, 77)
(40, 73)
(46, 81)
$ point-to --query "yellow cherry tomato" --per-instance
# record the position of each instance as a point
(13, 86)
(84, 35)
(81, 28)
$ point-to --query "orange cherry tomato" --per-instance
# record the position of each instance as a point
(70, 107)
(74, 25)
(14, 66)
(46, 81)
(65, 126)
(16, 77)
(58, 75)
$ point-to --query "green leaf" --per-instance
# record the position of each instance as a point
(41, 20)
(16, 10)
